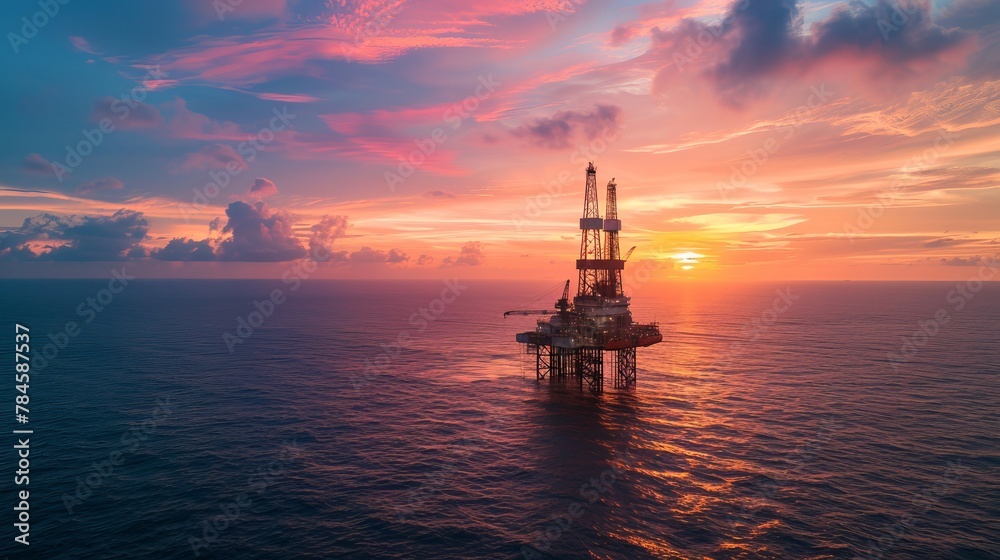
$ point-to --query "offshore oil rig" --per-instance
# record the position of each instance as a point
(571, 344)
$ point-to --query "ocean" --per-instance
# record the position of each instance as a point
(397, 420)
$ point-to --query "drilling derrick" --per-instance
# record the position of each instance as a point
(612, 225)
(590, 240)
(572, 342)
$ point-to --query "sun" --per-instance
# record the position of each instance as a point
(687, 259)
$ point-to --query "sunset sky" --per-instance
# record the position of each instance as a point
(755, 140)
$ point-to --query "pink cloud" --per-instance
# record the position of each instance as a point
(81, 44)
(216, 156)
(367, 32)
(387, 136)
(262, 188)
(239, 61)
(287, 97)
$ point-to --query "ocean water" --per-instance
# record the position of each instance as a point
(771, 423)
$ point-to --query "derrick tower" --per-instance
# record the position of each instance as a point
(591, 225)
(574, 341)
(612, 225)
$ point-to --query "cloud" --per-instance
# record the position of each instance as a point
(982, 17)
(438, 194)
(971, 14)
(962, 261)
(764, 39)
(185, 250)
(215, 156)
(380, 136)
(72, 238)
(319, 36)
(761, 42)
(425, 260)
(325, 232)
(562, 129)
(81, 44)
(185, 123)
(258, 234)
(35, 164)
(471, 254)
(622, 34)
(100, 185)
(262, 188)
(877, 32)
(367, 255)
(953, 105)
(126, 115)
(943, 242)
(396, 256)
(287, 97)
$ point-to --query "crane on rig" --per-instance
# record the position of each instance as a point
(562, 304)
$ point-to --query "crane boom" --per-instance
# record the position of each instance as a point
(528, 312)
(561, 305)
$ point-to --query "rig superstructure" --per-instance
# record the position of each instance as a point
(572, 342)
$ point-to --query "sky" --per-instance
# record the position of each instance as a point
(750, 140)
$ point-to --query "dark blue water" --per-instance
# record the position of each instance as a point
(766, 426)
